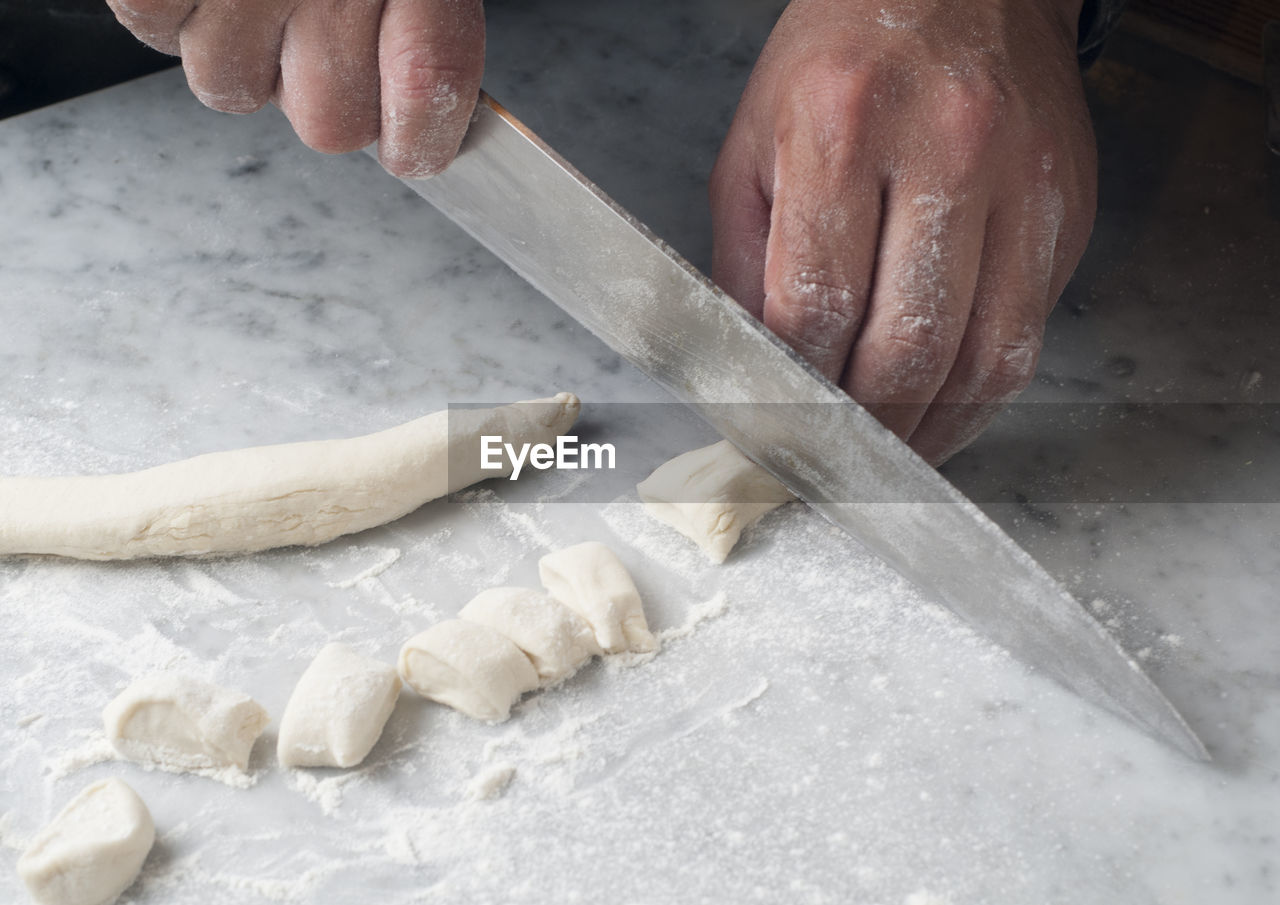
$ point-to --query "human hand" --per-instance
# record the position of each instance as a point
(405, 73)
(903, 195)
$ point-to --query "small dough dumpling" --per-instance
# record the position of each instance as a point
(180, 723)
(589, 579)
(337, 710)
(92, 851)
(556, 639)
(711, 495)
(471, 668)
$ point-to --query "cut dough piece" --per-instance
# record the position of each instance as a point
(554, 637)
(590, 580)
(469, 667)
(92, 851)
(711, 495)
(179, 723)
(268, 496)
(337, 709)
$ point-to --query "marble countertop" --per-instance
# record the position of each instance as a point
(174, 281)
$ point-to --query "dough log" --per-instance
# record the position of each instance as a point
(92, 851)
(246, 500)
(711, 495)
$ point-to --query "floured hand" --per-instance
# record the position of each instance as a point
(902, 196)
(405, 73)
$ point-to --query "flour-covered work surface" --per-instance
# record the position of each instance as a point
(808, 729)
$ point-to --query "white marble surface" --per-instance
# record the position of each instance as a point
(174, 281)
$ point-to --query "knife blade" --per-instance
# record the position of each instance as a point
(555, 228)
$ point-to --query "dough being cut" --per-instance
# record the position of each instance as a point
(711, 495)
(179, 723)
(590, 580)
(469, 667)
(92, 851)
(268, 496)
(337, 710)
(556, 639)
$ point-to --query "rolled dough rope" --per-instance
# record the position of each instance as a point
(555, 638)
(337, 710)
(711, 495)
(589, 579)
(179, 723)
(253, 499)
(469, 667)
(92, 851)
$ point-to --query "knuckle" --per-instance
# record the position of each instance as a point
(817, 314)
(813, 329)
(837, 103)
(919, 337)
(921, 344)
(817, 311)
(1003, 370)
(839, 93)
(820, 290)
(423, 77)
(969, 115)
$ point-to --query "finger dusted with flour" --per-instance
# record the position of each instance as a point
(431, 58)
(405, 73)
(245, 500)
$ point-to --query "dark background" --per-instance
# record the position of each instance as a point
(51, 50)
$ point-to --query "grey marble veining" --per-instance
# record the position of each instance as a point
(174, 281)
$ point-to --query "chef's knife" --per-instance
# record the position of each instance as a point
(555, 228)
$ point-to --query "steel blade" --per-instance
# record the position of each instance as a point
(556, 229)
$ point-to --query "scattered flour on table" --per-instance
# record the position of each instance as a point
(328, 791)
(228, 776)
(390, 556)
(449, 799)
(191, 873)
(509, 520)
(96, 750)
(562, 744)
(697, 614)
(9, 837)
(924, 897)
(749, 698)
(627, 518)
(491, 782)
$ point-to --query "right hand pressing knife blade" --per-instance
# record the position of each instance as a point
(555, 228)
